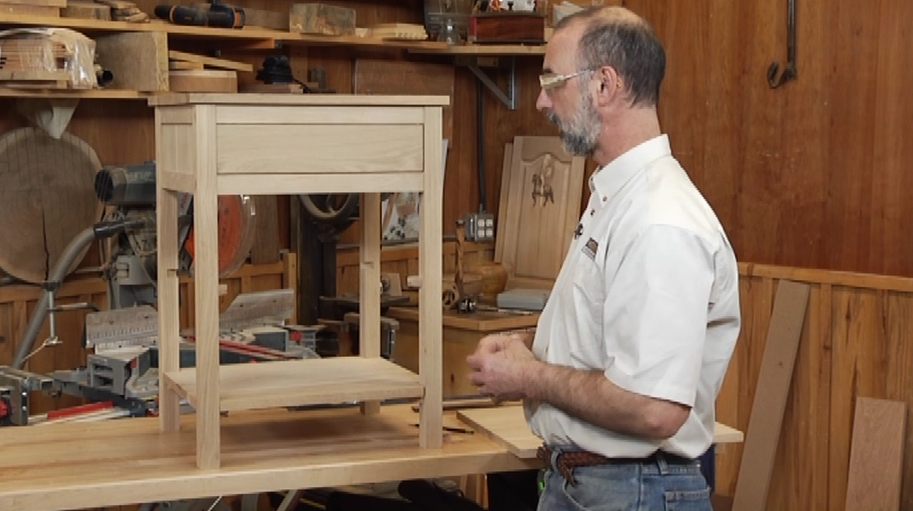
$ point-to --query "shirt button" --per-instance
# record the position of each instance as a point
(605, 199)
(592, 212)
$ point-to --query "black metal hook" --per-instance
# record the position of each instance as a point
(790, 73)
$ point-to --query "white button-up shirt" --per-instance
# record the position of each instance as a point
(648, 294)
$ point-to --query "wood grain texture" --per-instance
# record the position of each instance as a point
(267, 242)
(138, 60)
(507, 426)
(46, 188)
(43, 469)
(543, 206)
(303, 382)
(774, 381)
(876, 456)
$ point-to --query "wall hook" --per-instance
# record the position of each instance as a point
(790, 72)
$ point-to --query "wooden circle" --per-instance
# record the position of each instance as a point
(46, 199)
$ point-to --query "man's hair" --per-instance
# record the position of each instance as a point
(618, 38)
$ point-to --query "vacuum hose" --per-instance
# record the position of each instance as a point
(70, 253)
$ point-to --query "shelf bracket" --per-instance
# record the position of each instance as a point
(510, 97)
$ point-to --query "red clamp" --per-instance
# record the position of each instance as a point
(4, 409)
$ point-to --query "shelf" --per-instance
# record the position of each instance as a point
(264, 34)
(76, 94)
(302, 382)
(485, 50)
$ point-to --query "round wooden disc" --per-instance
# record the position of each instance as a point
(46, 199)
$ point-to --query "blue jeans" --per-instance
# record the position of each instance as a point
(635, 486)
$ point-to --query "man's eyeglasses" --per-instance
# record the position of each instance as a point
(552, 80)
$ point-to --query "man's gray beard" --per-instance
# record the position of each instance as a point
(579, 136)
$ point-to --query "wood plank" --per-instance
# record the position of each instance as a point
(506, 425)
(207, 384)
(303, 382)
(44, 470)
(138, 60)
(267, 244)
(430, 257)
(205, 80)
(369, 327)
(876, 458)
(769, 404)
(823, 276)
(177, 65)
(210, 61)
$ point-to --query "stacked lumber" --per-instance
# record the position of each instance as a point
(122, 10)
(46, 58)
(189, 72)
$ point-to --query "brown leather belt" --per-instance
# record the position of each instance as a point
(568, 460)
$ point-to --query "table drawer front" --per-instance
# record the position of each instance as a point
(314, 148)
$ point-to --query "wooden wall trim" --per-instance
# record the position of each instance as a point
(836, 278)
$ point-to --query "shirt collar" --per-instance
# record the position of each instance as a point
(609, 179)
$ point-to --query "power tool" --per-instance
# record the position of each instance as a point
(218, 15)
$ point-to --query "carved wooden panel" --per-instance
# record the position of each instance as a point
(539, 208)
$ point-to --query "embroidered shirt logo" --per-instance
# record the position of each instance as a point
(590, 248)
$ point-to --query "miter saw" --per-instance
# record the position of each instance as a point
(122, 369)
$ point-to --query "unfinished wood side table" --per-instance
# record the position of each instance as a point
(211, 144)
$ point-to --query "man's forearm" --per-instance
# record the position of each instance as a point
(590, 396)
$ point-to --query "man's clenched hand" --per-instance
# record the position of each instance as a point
(501, 366)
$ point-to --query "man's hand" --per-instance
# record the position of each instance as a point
(501, 366)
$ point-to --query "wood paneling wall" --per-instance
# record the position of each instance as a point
(857, 341)
(815, 173)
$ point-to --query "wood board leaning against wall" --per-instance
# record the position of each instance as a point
(857, 341)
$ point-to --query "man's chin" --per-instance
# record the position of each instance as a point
(575, 147)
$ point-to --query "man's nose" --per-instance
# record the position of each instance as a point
(543, 102)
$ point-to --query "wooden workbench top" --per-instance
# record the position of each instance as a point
(79, 465)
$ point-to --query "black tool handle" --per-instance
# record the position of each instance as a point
(182, 15)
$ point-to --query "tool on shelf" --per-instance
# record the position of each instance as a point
(218, 15)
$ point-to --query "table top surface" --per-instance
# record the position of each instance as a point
(80, 465)
(296, 99)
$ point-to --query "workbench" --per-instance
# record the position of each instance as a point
(80, 465)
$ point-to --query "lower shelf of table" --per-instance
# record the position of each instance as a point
(302, 382)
